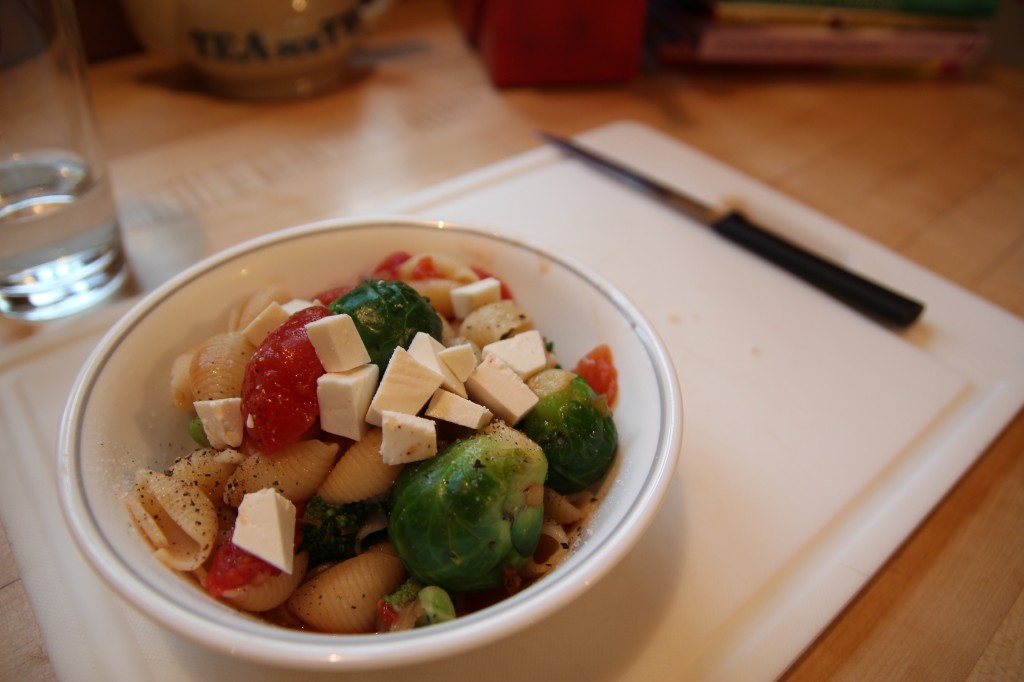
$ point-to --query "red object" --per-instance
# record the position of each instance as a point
(506, 293)
(232, 567)
(598, 370)
(279, 389)
(540, 42)
(388, 268)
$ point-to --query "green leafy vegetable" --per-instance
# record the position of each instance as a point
(387, 314)
(416, 605)
(465, 517)
(329, 530)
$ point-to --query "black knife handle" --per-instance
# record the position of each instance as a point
(854, 290)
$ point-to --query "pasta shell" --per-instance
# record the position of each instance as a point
(448, 267)
(207, 469)
(181, 383)
(250, 308)
(272, 592)
(218, 366)
(296, 471)
(343, 599)
(552, 549)
(494, 322)
(438, 292)
(559, 509)
(180, 521)
(360, 473)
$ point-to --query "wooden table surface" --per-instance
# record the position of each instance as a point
(931, 169)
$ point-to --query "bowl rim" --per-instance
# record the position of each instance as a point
(317, 651)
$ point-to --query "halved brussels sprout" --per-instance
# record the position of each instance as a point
(387, 313)
(467, 516)
(574, 427)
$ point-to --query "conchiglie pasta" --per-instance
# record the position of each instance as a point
(438, 292)
(179, 520)
(207, 469)
(494, 322)
(218, 366)
(560, 509)
(552, 548)
(440, 264)
(360, 473)
(343, 599)
(296, 471)
(181, 382)
(272, 592)
(250, 308)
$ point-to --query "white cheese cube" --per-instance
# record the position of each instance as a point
(406, 438)
(344, 399)
(460, 359)
(469, 297)
(425, 349)
(496, 386)
(266, 528)
(222, 421)
(406, 386)
(269, 319)
(449, 407)
(525, 352)
(337, 343)
(296, 304)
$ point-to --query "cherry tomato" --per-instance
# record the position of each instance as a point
(598, 370)
(232, 567)
(330, 295)
(388, 268)
(279, 389)
(506, 293)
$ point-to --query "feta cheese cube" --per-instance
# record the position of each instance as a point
(425, 349)
(496, 386)
(449, 407)
(406, 386)
(406, 438)
(460, 359)
(266, 528)
(269, 319)
(344, 399)
(469, 297)
(525, 352)
(222, 421)
(337, 343)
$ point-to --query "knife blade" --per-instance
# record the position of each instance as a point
(865, 295)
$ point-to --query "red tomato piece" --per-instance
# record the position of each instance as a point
(506, 293)
(388, 268)
(330, 295)
(387, 615)
(279, 389)
(425, 269)
(598, 370)
(232, 567)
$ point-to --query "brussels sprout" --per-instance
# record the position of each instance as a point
(574, 427)
(474, 511)
(197, 432)
(387, 314)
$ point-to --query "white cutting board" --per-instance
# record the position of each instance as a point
(814, 439)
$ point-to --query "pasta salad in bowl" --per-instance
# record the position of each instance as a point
(365, 443)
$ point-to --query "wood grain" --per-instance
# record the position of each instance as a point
(931, 169)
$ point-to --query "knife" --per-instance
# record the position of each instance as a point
(868, 297)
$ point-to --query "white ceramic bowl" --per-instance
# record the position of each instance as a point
(118, 418)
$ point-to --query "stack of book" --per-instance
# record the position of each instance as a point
(935, 36)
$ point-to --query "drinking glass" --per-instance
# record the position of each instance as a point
(60, 241)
